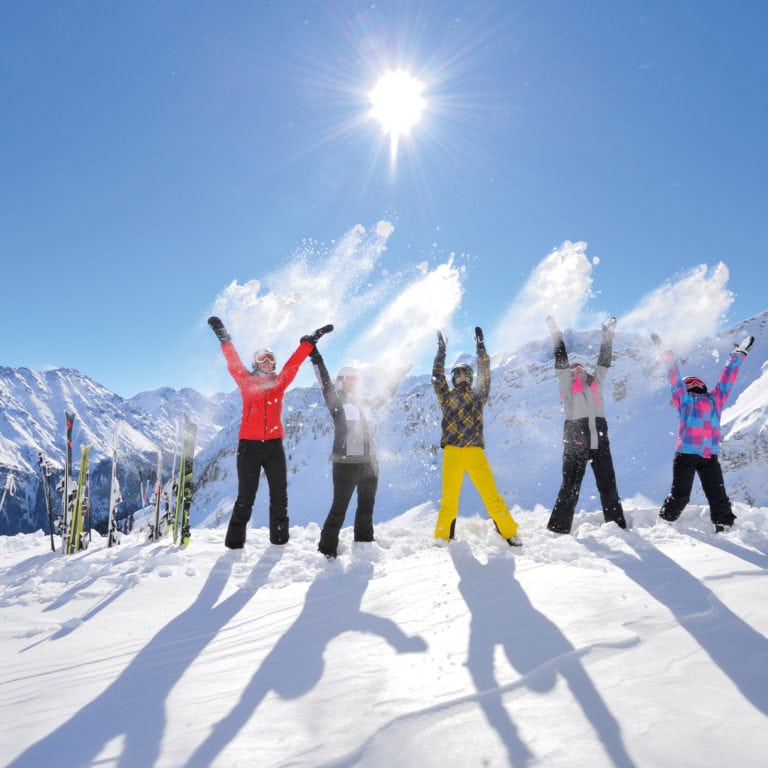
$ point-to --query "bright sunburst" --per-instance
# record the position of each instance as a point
(397, 105)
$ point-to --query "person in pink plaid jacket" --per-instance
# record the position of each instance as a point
(698, 437)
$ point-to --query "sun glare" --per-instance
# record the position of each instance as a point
(397, 104)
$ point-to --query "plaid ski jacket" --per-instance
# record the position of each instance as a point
(699, 428)
(462, 406)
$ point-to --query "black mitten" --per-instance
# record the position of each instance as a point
(314, 337)
(218, 328)
(479, 342)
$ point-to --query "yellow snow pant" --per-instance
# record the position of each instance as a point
(457, 461)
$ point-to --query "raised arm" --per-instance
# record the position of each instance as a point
(674, 378)
(234, 364)
(439, 383)
(330, 395)
(606, 345)
(731, 370)
(483, 384)
(561, 356)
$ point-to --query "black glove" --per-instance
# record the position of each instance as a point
(440, 342)
(745, 345)
(656, 339)
(314, 337)
(609, 326)
(479, 337)
(218, 328)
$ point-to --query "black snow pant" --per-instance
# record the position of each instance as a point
(363, 477)
(252, 456)
(684, 468)
(576, 455)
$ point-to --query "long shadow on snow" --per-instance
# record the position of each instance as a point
(133, 706)
(740, 651)
(295, 664)
(72, 625)
(502, 614)
(760, 559)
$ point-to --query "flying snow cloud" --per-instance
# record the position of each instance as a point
(385, 322)
(408, 323)
(561, 286)
(379, 318)
(681, 311)
(684, 311)
(305, 294)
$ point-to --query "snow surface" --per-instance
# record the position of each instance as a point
(644, 647)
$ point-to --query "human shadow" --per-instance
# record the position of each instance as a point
(70, 626)
(740, 651)
(502, 615)
(295, 663)
(133, 706)
(759, 558)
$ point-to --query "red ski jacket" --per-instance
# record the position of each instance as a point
(263, 395)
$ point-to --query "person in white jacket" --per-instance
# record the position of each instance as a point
(355, 466)
(585, 433)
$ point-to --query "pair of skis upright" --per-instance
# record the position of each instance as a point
(176, 523)
(183, 487)
(76, 502)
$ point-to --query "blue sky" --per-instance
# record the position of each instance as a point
(162, 159)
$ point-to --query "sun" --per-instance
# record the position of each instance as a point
(397, 104)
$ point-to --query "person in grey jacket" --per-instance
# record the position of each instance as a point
(585, 433)
(355, 467)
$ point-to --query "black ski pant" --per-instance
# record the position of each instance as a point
(684, 467)
(362, 477)
(252, 457)
(576, 455)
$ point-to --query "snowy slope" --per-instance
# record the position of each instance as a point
(639, 648)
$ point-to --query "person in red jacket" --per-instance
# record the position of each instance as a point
(260, 441)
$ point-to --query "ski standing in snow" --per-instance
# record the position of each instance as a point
(78, 537)
(698, 437)
(260, 441)
(585, 432)
(181, 528)
(115, 497)
(45, 471)
(355, 466)
(463, 442)
(66, 484)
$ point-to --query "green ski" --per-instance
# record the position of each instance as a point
(77, 540)
(181, 528)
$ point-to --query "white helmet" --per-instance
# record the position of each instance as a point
(346, 374)
(262, 355)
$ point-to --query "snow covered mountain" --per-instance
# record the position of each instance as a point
(32, 423)
(523, 434)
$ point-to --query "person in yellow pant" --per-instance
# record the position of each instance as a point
(463, 442)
